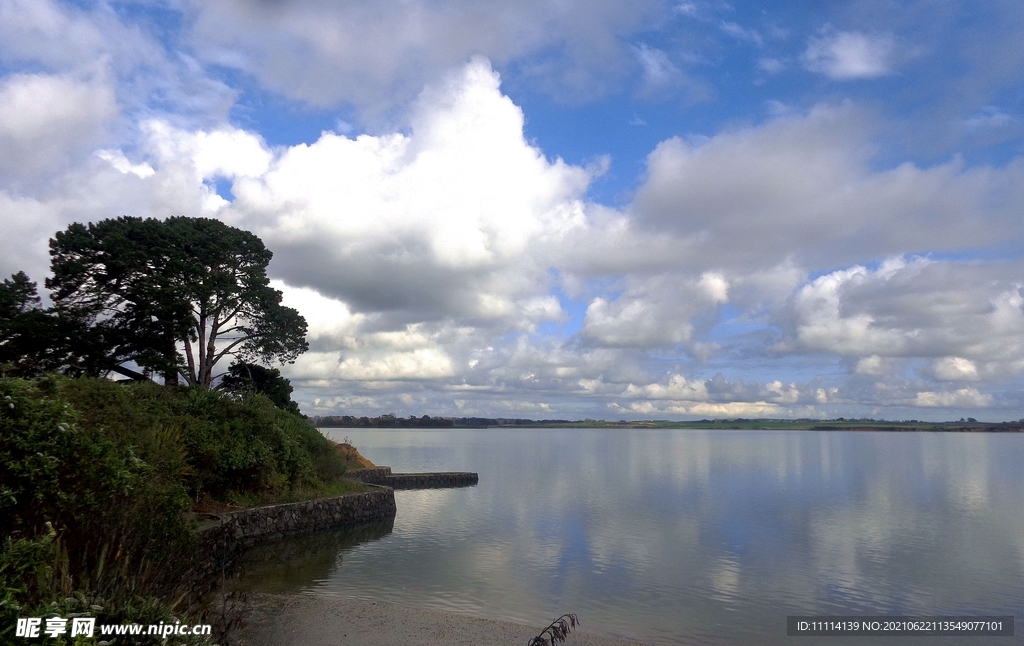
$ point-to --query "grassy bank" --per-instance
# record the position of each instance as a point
(99, 479)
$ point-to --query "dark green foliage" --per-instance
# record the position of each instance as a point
(95, 482)
(18, 295)
(245, 377)
(40, 578)
(211, 442)
(122, 274)
(139, 415)
(34, 340)
(153, 286)
(53, 468)
(246, 444)
(119, 519)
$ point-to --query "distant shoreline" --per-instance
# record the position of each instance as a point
(740, 423)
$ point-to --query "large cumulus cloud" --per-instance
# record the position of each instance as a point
(452, 220)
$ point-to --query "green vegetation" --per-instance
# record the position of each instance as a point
(99, 476)
(168, 297)
(249, 377)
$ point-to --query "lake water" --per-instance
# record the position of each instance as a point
(682, 536)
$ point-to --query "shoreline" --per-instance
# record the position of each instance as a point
(300, 620)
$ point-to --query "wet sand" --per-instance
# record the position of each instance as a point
(292, 620)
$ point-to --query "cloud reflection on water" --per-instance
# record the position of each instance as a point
(710, 535)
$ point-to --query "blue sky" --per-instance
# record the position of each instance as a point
(602, 209)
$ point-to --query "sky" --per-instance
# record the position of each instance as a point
(606, 209)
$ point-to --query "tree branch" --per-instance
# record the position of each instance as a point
(128, 372)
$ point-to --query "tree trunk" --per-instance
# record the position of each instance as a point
(171, 370)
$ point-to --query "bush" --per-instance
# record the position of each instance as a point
(87, 522)
(97, 478)
(54, 469)
(214, 443)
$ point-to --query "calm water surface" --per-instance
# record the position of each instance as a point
(685, 537)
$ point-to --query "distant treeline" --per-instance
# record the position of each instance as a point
(839, 424)
(426, 421)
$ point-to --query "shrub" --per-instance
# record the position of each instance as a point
(214, 443)
(87, 522)
(96, 483)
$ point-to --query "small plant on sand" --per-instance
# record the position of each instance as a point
(556, 632)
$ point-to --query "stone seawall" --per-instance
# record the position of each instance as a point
(376, 475)
(383, 476)
(222, 540)
(432, 480)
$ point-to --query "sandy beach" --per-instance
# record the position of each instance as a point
(291, 620)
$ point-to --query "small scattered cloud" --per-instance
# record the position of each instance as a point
(741, 33)
(955, 369)
(659, 71)
(770, 65)
(989, 118)
(686, 9)
(874, 366)
(662, 77)
(845, 55)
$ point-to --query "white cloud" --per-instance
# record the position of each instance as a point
(962, 398)
(376, 55)
(654, 310)
(677, 388)
(49, 121)
(770, 65)
(662, 77)
(701, 409)
(716, 286)
(802, 188)
(967, 319)
(63, 38)
(874, 366)
(822, 323)
(989, 117)
(328, 320)
(634, 322)
(451, 217)
(741, 33)
(120, 162)
(27, 225)
(424, 363)
(226, 152)
(955, 369)
(658, 70)
(845, 55)
(30, 29)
